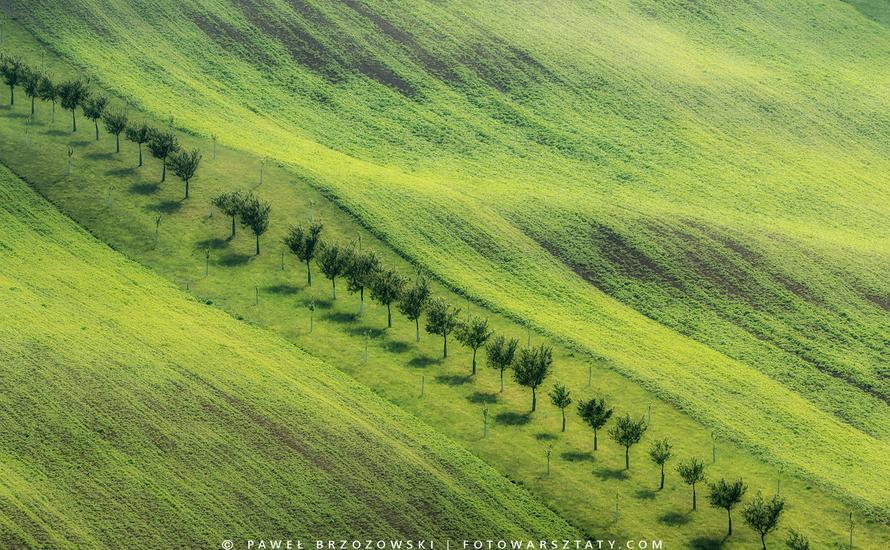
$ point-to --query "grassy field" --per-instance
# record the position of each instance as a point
(719, 237)
(119, 203)
(134, 415)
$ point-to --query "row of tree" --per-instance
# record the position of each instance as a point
(363, 270)
(74, 94)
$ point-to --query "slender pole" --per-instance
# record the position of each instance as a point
(484, 422)
(206, 262)
(422, 384)
(256, 295)
(589, 375)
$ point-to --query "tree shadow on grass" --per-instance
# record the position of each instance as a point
(120, 172)
(578, 456)
(675, 519)
(145, 188)
(365, 331)
(422, 361)
(544, 436)
(706, 543)
(234, 259)
(81, 143)
(454, 379)
(214, 244)
(606, 474)
(341, 316)
(282, 289)
(513, 418)
(166, 207)
(98, 155)
(56, 132)
(645, 494)
(324, 303)
(394, 346)
(483, 398)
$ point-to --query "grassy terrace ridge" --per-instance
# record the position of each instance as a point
(719, 237)
(119, 203)
(133, 414)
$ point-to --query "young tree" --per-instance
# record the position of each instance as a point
(726, 495)
(441, 319)
(660, 453)
(31, 84)
(473, 334)
(360, 271)
(562, 398)
(414, 300)
(302, 242)
(531, 368)
(627, 432)
(73, 94)
(230, 204)
(185, 164)
(596, 413)
(48, 92)
(12, 70)
(115, 123)
(332, 260)
(797, 541)
(763, 515)
(387, 287)
(93, 109)
(255, 215)
(692, 471)
(162, 144)
(140, 134)
(501, 353)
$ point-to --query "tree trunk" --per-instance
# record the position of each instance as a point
(594, 439)
(729, 515)
(309, 272)
(12, 95)
(388, 316)
(32, 106)
(233, 224)
(140, 164)
(693, 497)
(445, 346)
(662, 478)
(73, 121)
(333, 288)
(763, 541)
(563, 420)
(53, 120)
(164, 170)
(474, 361)
(96, 122)
(361, 300)
(502, 380)
(117, 143)
(627, 458)
(257, 244)
(186, 188)
(417, 329)
(534, 399)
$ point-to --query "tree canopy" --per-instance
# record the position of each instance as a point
(627, 432)
(473, 334)
(441, 319)
(532, 367)
(303, 241)
(501, 353)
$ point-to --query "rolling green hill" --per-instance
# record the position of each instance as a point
(134, 415)
(695, 192)
(119, 203)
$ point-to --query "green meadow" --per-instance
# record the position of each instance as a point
(134, 414)
(701, 241)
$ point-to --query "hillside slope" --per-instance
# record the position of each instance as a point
(717, 168)
(133, 415)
